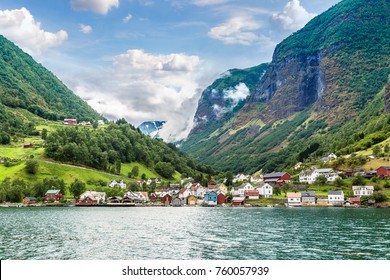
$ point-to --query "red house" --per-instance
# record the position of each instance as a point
(26, 146)
(277, 178)
(53, 194)
(221, 199)
(88, 200)
(70, 121)
(383, 172)
(212, 184)
(238, 201)
(153, 197)
(166, 199)
(29, 200)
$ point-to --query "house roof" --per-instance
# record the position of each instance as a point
(277, 174)
(182, 191)
(324, 170)
(52, 192)
(335, 193)
(308, 194)
(355, 188)
(294, 195)
(238, 199)
(31, 198)
(385, 167)
(252, 192)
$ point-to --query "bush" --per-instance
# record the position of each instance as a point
(32, 166)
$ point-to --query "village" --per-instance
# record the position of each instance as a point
(247, 191)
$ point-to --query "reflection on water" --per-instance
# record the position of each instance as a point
(194, 233)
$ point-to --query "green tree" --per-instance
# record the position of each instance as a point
(44, 134)
(143, 176)
(118, 166)
(5, 138)
(229, 178)
(32, 166)
(339, 183)
(358, 180)
(77, 188)
(321, 180)
(376, 150)
(165, 169)
(135, 171)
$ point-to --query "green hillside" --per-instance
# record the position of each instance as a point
(26, 84)
(326, 90)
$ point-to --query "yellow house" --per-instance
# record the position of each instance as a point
(192, 200)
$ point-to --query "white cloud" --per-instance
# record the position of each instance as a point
(144, 86)
(20, 27)
(86, 29)
(236, 94)
(241, 30)
(97, 6)
(293, 17)
(208, 2)
(127, 18)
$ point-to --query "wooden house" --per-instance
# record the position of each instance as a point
(184, 193)
(238, 201)
(221, 199)
(192, 200)
(251, 194)
(114, 199)
(383, 172)
(27, 146)
(177, 202)
(29, 200)
(294, 199)
(308, 197)
(70, 121)
(166, 199)
(153, 197)
(211, 198)
(362, 190)
(53, 194)
(336, 197)
(277, 178)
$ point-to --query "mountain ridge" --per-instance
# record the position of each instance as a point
(318, 86)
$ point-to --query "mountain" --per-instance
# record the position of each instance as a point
(324, 91)
(27, 85)
(226, 96)
(152, 128)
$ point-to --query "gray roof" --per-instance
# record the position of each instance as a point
(277, 174)
(324, 170)
(308, 194)
(335, 192)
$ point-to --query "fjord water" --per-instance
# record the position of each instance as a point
(194, 233)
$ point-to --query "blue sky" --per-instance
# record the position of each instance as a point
(149, 59)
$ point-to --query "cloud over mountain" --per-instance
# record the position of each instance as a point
(293, 17)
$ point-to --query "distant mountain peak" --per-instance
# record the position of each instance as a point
(152, 128)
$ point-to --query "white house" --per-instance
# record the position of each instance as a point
(310, 176)
(184, 193)
(99, 196)
(241, 177)
(329, 157)
(120, 184)
(150, 180)
(240, 191)
(294, 199)
(335, 197)
(265, 190)
(362, 190)
(142, 196)
(197, 190)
